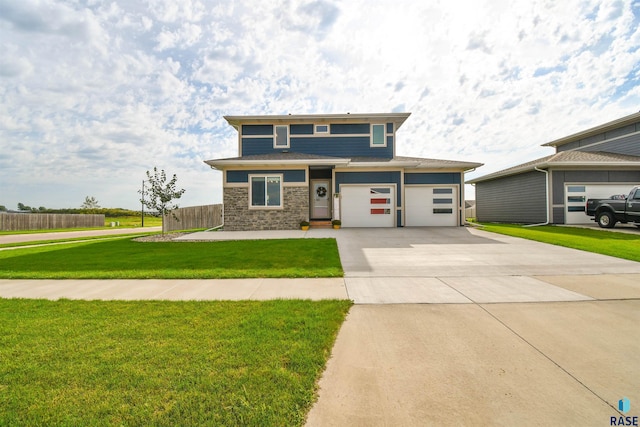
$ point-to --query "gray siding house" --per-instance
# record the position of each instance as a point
(292, 168)
(598, 162)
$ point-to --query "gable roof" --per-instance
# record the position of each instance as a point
(396, 118)
(566, 158)
(615, 124)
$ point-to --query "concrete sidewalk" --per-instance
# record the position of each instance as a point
(539, 364)
(33, 237)
(210, 289)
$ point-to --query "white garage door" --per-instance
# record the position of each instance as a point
(576, 196)
(367, 206)
(431, 206)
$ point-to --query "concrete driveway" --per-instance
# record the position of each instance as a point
(466, 265)
(455, 326)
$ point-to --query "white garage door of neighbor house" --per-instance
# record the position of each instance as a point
(431, 206)
(576, 195)
(367, 206)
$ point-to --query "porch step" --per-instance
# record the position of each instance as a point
(320, 224)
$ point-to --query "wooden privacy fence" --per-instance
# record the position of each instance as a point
(207, 216)
(33, 221)
(470, 212)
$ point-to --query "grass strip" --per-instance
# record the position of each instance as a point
(126, 259)
(619, 245)
(161, 363)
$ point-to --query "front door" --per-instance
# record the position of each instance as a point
(320, 198)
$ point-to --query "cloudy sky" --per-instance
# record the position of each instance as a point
(94, 93)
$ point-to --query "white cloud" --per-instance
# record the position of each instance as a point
(92, 95)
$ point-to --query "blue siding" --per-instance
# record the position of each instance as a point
(257, 129)
(350, 128)
(625, 146)
(432, 178)
(257, 146)
(629, 145)
(370, 178)
(338, 146)
(301, 129)
(517, 198)
(389, 127)
(290, 175)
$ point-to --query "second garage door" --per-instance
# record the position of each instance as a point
(431, 206)
(576, 196)
(367, 205)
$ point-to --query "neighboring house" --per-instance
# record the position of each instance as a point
(338, 166)
(596, 163)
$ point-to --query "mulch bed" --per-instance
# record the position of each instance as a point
(167, 237)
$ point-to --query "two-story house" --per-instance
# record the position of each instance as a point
(292, 168)
(595, 163)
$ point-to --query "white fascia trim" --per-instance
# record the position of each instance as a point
(459, 166)
(391, 164)
(302, 163)
(615, 124)
(502, 174)
(599, 165)
(592, 164)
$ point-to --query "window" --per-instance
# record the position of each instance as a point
(378, 137)
(382, 190)
(443, 191)
(442, 201)
(265, 191)
(576, 189)
(281, 139)
(322, 128)
(576, 199)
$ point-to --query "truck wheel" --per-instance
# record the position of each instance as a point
(606, 220)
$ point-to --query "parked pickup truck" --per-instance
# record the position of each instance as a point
(607, 212)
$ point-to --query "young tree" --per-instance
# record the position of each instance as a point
(161, 193)
(90, 203)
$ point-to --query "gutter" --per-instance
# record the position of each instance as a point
(546, 193)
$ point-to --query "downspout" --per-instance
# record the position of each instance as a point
(546, 193)
(464, 209)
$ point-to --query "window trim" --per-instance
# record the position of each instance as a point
(317, 132)
(384, 136)
(275, 136)
(266, 176)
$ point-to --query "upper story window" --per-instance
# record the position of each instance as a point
(322, 128)
(378, 136)
(281, 137)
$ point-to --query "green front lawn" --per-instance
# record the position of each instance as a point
(620, 245)
(161, 363)
(126, 259)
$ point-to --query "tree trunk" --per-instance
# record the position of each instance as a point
(163, 221)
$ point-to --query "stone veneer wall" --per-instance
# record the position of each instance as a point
(238, 216)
